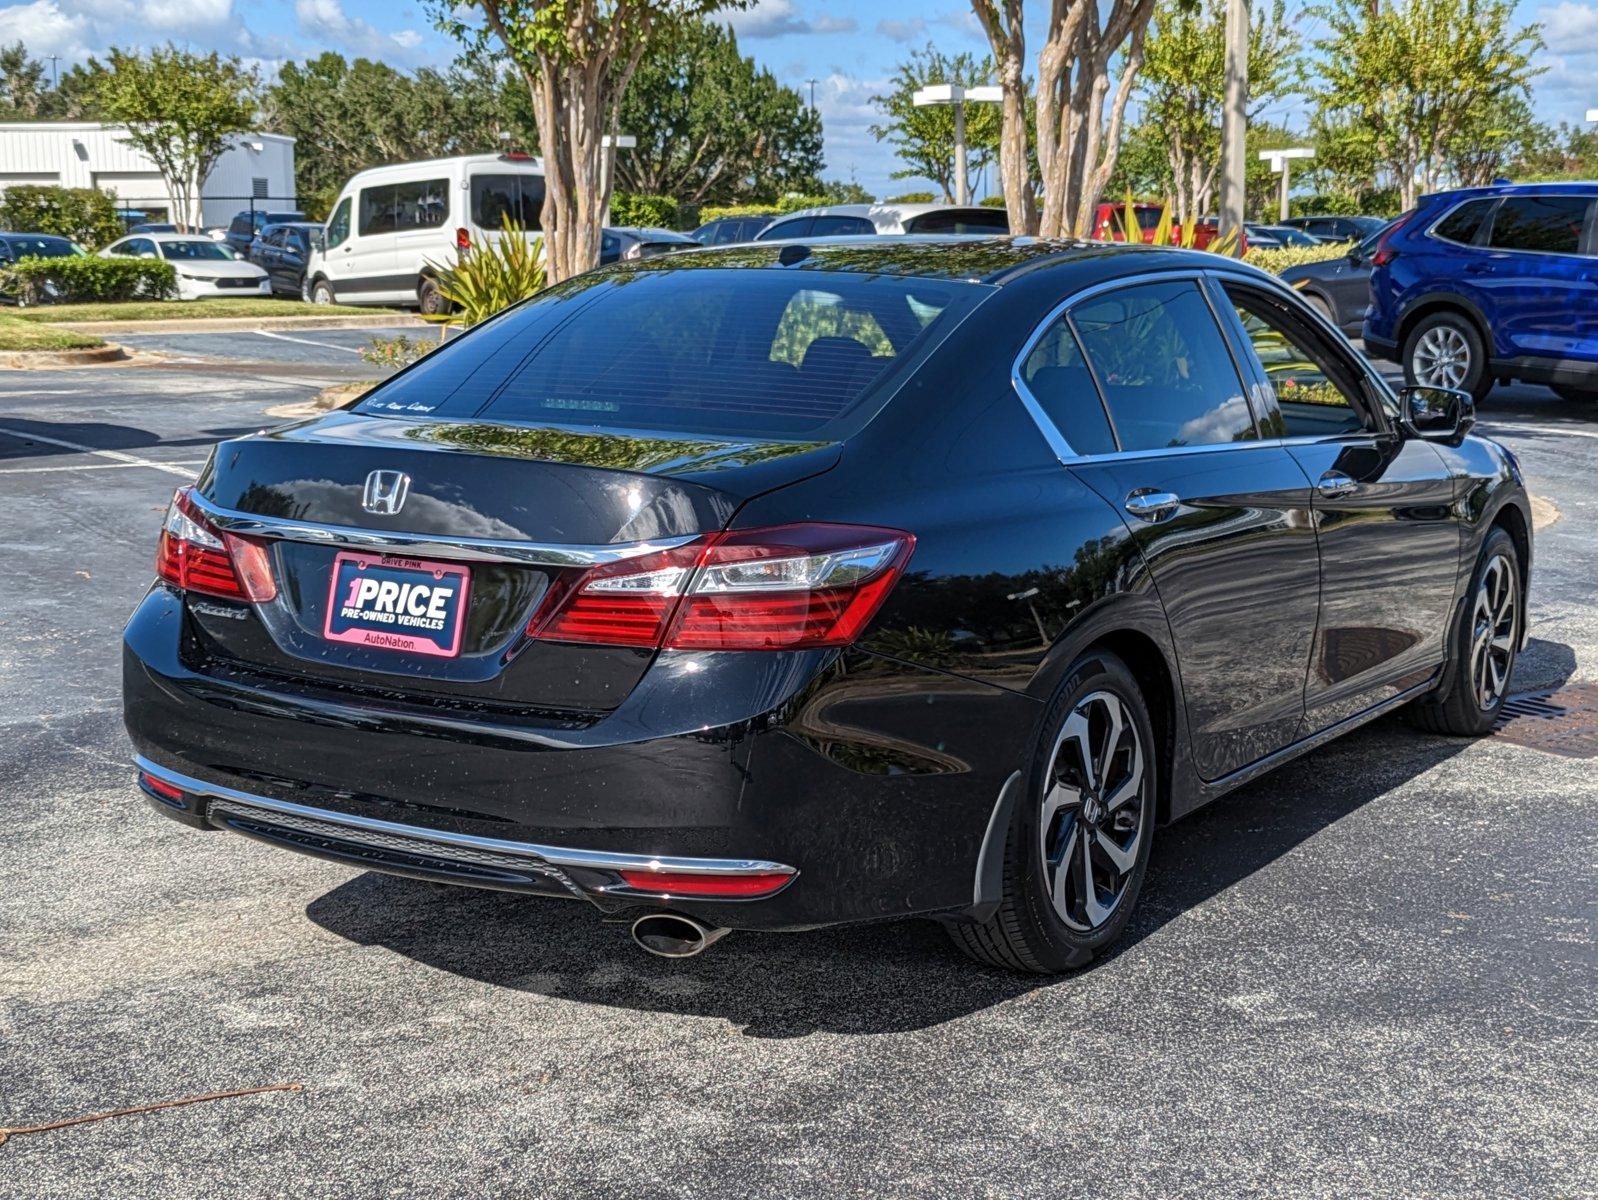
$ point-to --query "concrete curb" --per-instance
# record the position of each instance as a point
(244, 324)
(23, 360)
(326, 400)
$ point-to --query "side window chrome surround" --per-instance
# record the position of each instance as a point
(1061, 447)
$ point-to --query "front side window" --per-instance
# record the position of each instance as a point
(1465, 222)
(798, 227)
(841, 227)
(1314, 391)
(993, 220)
(138, 248)
(338, 225)
(1163, 367)
(726, 352)
(500, 197)
(1547, 224)
(1056, 375)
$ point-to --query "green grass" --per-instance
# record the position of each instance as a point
(191, 310)
(21, 335)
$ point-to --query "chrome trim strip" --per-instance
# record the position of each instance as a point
(560, 856)
(425, 545)
(1430, 230)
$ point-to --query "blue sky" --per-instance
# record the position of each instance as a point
(849, 47)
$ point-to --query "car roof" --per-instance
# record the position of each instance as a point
(883, 214)
(292, 225)
(975, 258)
(1571, 187)
(172, 237)
(54, 237)
(646, 231)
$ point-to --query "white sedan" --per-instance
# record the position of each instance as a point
(204, 268)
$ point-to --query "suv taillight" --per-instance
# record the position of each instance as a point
(1382, 254)
(195, 556)
(788, 587)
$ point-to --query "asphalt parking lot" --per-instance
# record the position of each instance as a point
(1369, 974)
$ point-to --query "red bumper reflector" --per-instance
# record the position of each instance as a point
(161, 788)
(684, 883)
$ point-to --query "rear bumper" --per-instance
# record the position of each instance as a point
(871, 781)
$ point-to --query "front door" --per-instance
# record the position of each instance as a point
(1383, 504)
(1222, 516)
(1534, 276)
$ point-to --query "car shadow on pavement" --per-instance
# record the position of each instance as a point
(16, 443)
(883, 978)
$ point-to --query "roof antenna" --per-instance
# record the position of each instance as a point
(793, 253)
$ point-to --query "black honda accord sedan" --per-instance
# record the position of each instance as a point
(774, 587)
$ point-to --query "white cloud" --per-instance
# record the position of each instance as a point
(903, 31)
(1570, 28)
(44, 28)
(326, 20)
(779, 18)
(186, 14)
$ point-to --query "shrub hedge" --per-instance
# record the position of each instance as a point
(714, 212)
(87, 216)
(643, 209)
(67, 280)
(1277, 261)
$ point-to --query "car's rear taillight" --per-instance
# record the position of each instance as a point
(1383, 253)
(463, 238)
(708, 884)
(197, 557)
(790, 587)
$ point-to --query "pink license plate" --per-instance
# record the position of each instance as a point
(394, 603)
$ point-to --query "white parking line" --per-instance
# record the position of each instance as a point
(283, 337)
(1560, 430)
(112, 466)
(132, 460)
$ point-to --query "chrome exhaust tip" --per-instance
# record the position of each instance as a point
(672, 935)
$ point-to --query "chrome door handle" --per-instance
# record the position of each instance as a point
(1149, 505)
(1334, 484)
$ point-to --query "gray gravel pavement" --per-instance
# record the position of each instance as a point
(1370, 974)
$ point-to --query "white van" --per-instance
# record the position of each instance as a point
(390, 225)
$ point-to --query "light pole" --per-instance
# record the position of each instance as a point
(1279, 160)
(959, 97)
(610, 145)
(1234, 120)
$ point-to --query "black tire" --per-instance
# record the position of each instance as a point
(1028, 932)
(322, 293)
(1444, 349)
(1460, 710)
(1319, 304)
(429, 300)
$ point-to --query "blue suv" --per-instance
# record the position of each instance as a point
(1490, 284)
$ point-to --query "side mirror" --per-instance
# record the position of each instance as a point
(1355, 258)
(1436, 414)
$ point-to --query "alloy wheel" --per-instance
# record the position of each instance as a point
(1092, 823)
(1441, 358)
(1492, 641)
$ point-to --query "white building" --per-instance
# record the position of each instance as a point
(259, 168)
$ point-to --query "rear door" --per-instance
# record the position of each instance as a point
(1537, 284)
(1220, 513)
(1383, 507)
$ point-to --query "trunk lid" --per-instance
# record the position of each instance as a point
(517, 506)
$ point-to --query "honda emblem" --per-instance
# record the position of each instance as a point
(385, 492)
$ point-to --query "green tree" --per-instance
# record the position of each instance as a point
(1498, 138)
(714, 128)
(1183, 85)
(577, 58)
(84, 215)
(924, 137)
(182, 110)
(1401, 81)
(846, 191)
(22, 91)
(347, 116)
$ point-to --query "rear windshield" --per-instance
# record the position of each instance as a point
(517, 196)
(42, 247)
(729, 352)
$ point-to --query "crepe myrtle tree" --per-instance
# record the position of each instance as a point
(183, 110)
(1087, 67)
(577, 58)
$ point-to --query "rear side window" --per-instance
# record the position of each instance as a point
(1465, 222)
(1164, 369)
(517, 196)
(973, 221)
(1550, 224)
(398, 207)
(727, 352)
(841, 226)
(1056, 376)
(798, 227)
